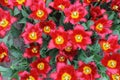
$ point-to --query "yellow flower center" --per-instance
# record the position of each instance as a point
(68, 48)
(116, 76)
(106, 46)
(61, 58)
(4, 23)
(44, 0)
(115, 7)
(33, 35)
(88, 1)
(61, 7)
(6, 1)
(112, 63)
(40, 13)
(30, 78)
(75, 14)
(59, 40)
(47, 29)
(99, 27)
(41, 66)
(87, 70)
(66, 76)
(2, 55)
(98, 0)
(34, 50)
(78, 38)
(20, 1)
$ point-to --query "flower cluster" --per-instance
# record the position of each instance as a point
(60, 39)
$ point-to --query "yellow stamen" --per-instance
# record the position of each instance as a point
(112, 63)
(66, 76)
(88, 1)
(116, 76)
(6, 1)
(106, 46)
(41, 66)
(20, 1)
(33, 35)
(40, 13)
(30, 78)
(47, 29)
(61, 58)
(68, 48)
(78, 38)
(115, 7)
(59, 40)
(75, 14)
(87, 70)
(2, 55)
(61, 7)
(4, 23)
(35, 50)
(99, 27)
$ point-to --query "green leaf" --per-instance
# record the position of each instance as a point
(111, 15)
(22, 21)
(117, 32)
(15, 52)
(101, 68)
(61, 18)
(10, 42)
(24, 13)
(8, 73)
(19, 64)
(5, 39)
(88, 24)
(2, 69)
(81, 55)
(85, 26)
(16, 11)
(68, 62)
(89, 59)
(15, 32)
(47, 2)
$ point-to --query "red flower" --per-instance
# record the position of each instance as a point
(33, 75)
(79, 37)
(114, 76)
(88, 71)
(111, 62)
(3, 53)
(89, 1)
(64, 72)
(96, 12)
(1, 77)
(69, 51)
(61, 58)
(39, 11)
(4, 2)
(33, 50)
(115, 5)
(111, 45)
(102, 26)
(60, 4)
(32, 34)
(47, 26)
(19, 3)
(38, 1)
(41, 65)
(59, 39)
(6, 21)
(75, 13)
